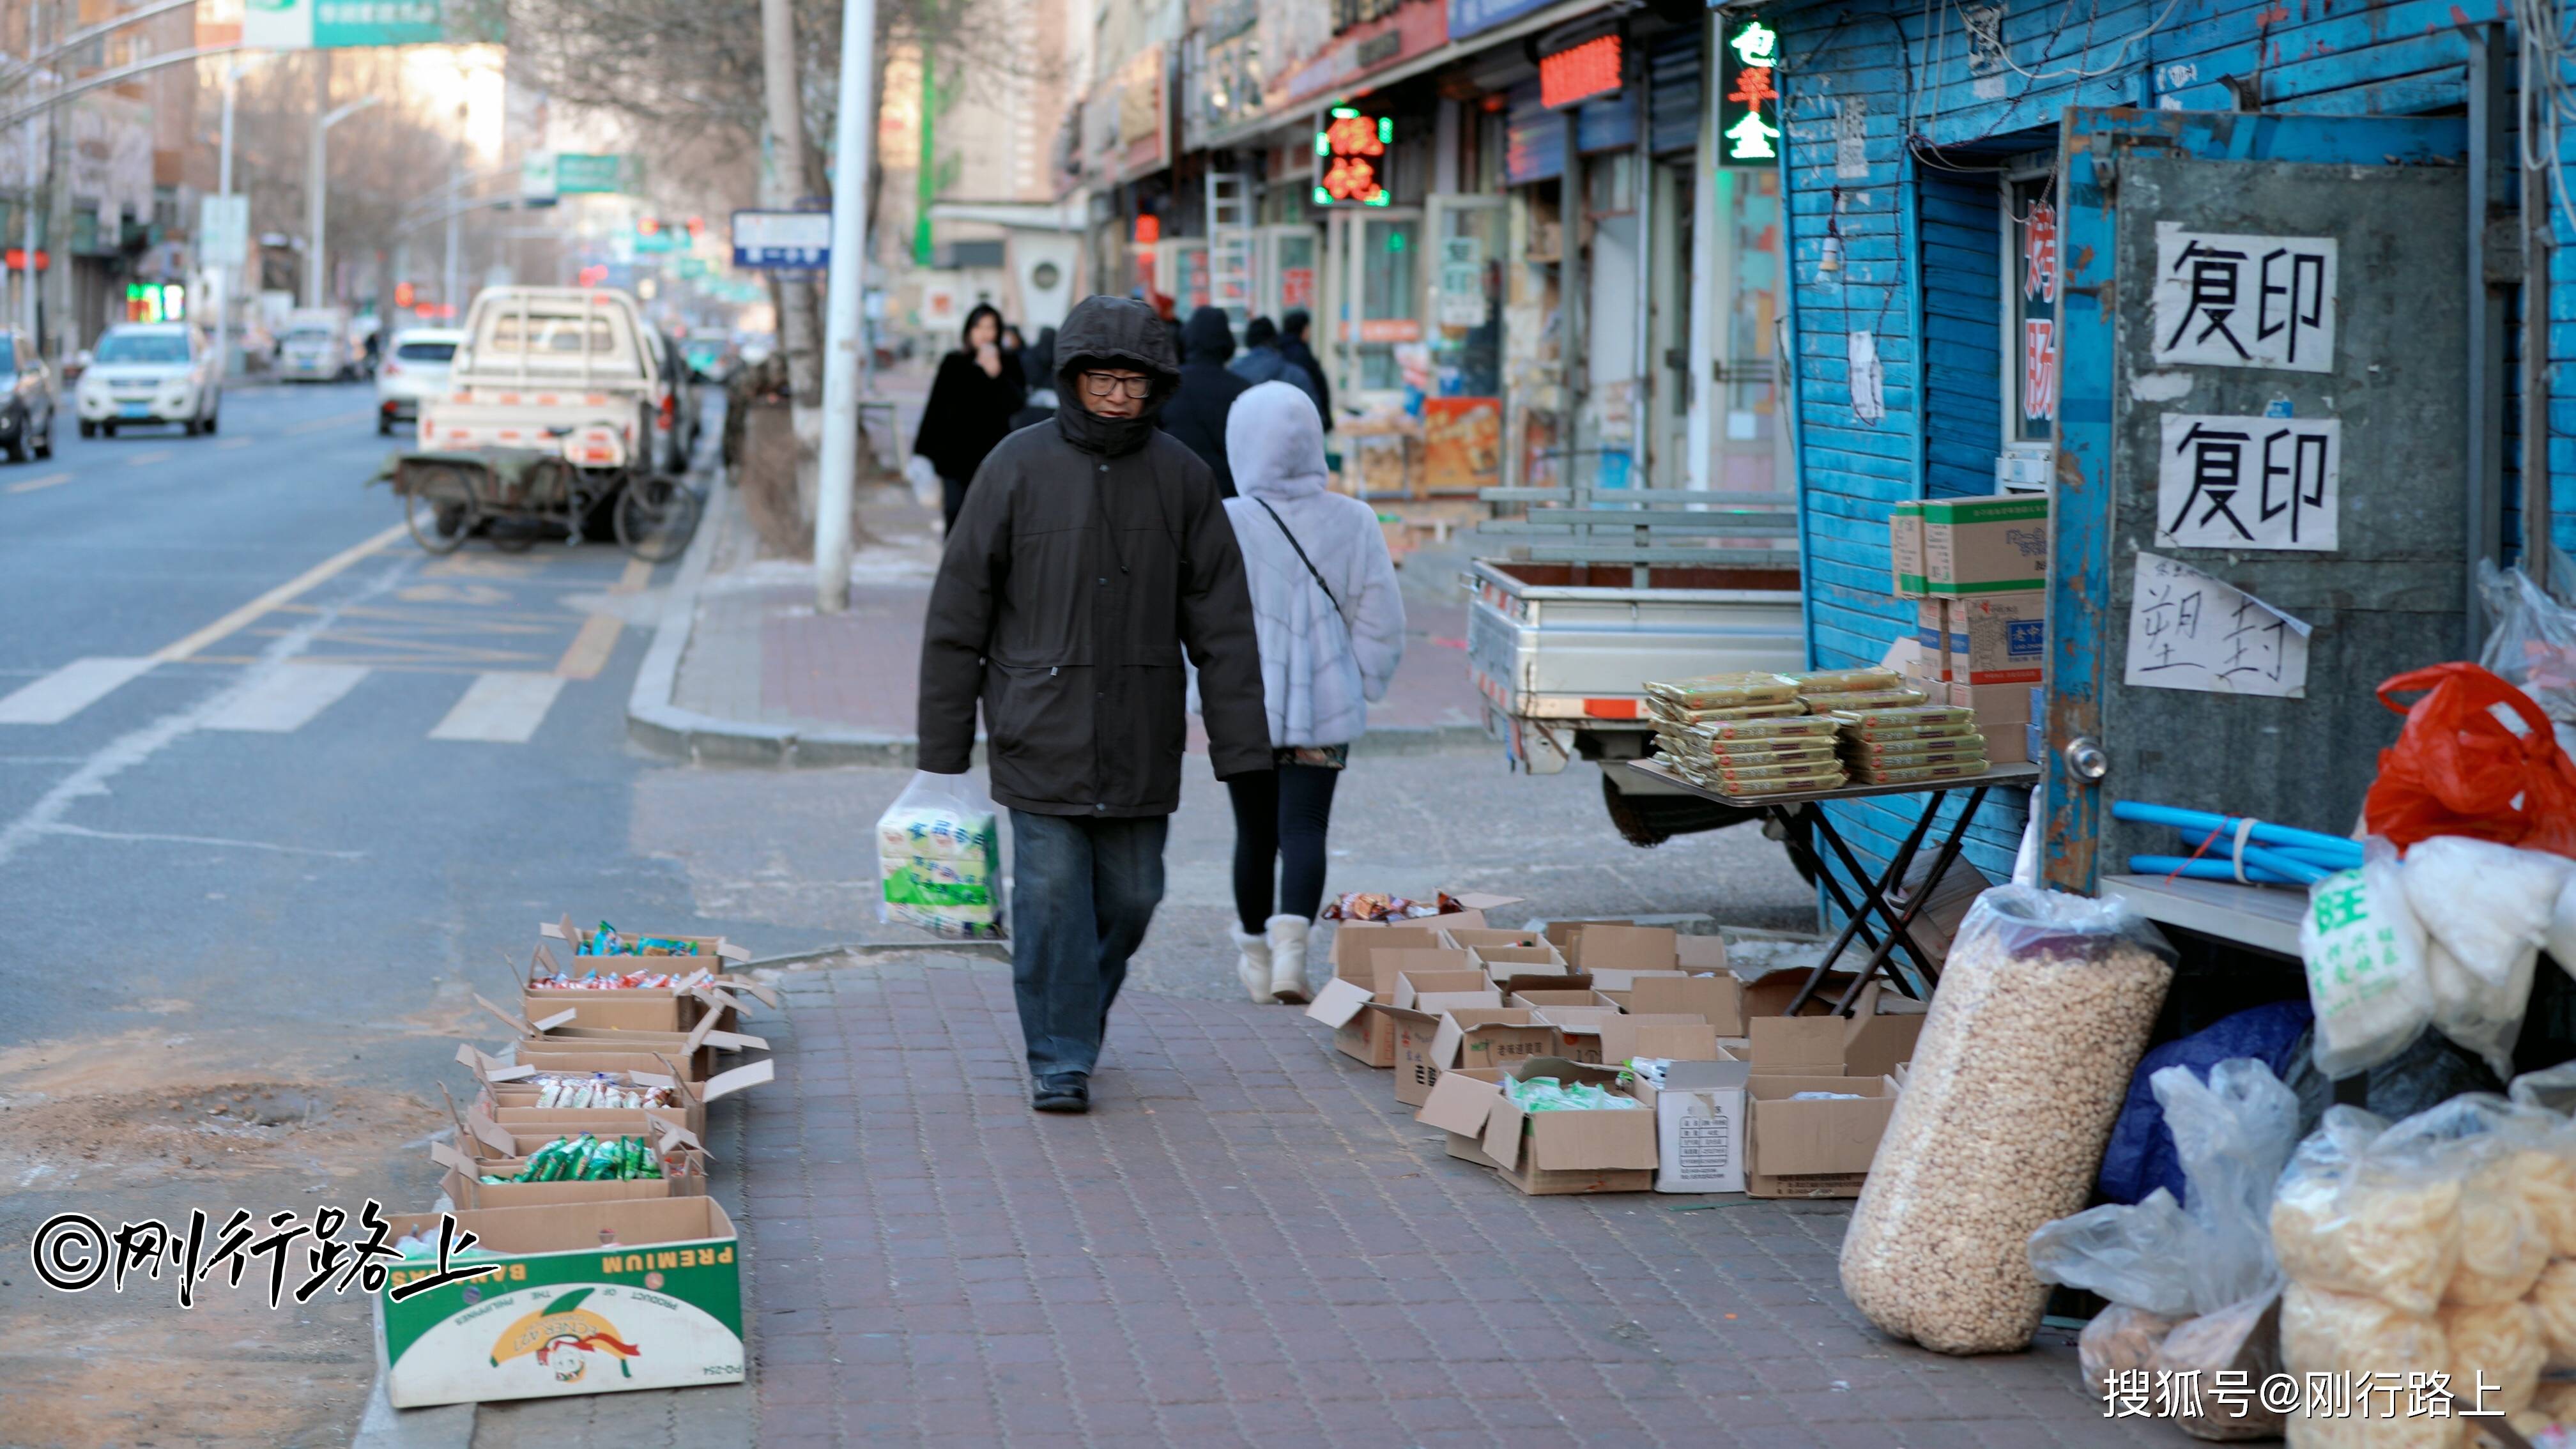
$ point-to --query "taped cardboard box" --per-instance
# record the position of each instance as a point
(1905, 550)
(1985, 545)
(1814, 1149)
(585, 1298)
(1992, 639)
(1700, 1125)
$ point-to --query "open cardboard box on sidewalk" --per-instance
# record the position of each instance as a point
(1700, 1125)
(509, 1098)
(585, 1298)
(642, 1008)
(1548, 1152)
(1879, 1033)
(465, 1187)
(1814, 1149)
(694, 1051)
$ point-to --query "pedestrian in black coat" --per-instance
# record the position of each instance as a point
(1092, 557)
(1197, 412)
(971, 402)
(1292, 345)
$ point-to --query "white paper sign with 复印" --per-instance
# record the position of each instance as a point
(2249, 482)
(2190, 631)
(2227, 299)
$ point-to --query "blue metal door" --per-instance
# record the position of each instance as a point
(2367, 220)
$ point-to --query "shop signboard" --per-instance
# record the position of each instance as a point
(1580, 72)
(1748, 123)
(1350, 158)
(1467, 17)
(782, 240)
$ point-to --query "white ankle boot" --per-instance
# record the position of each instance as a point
(1254, 967)
(1287, 954)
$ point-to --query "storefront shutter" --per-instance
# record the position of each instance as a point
(1963, 322)
(1674, 73)
(1533, 138)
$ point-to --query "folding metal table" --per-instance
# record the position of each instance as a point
(1788, 807)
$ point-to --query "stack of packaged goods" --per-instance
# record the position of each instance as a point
(1831, 691)
(1753, 756)
(939, 852)
(1911, 744)
(1715, 697)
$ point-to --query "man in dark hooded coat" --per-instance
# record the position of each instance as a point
(1092, 553)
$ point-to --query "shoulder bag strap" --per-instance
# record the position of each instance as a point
(1311, 571)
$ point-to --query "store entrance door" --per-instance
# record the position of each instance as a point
(2261, 493)
(1462, 418)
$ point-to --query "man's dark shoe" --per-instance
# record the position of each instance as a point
(1063, 1092)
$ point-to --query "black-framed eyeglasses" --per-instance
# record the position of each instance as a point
(1111, 384)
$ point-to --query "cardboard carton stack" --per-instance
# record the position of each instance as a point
(624, 1273)
(1978, 571)
(1462, 1011)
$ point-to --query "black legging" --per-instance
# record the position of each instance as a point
(1280, 817)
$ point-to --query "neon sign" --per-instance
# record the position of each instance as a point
(1580, 72)
(1749, 94)
(1350, 159)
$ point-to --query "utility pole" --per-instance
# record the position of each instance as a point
(782, 184)
(316, 261)
(447, 289)
(58, 305)
(844, 332)
(27, 197)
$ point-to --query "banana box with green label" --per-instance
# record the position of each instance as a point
(585, 1298)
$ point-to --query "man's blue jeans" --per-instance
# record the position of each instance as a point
(1083, 891)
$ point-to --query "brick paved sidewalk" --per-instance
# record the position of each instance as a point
(1247, 1242)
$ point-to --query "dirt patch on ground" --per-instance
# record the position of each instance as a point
(150, 1125)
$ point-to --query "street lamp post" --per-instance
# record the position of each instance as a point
(314, 261)
(844, 320)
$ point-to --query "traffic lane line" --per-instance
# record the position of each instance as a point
(287, 699)
(50, 480)
(590, 649)
(236, 441)
(69, 690)
(284, 593)
(503, 707)
(146, 460)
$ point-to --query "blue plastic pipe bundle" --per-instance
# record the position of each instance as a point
(2271, 854)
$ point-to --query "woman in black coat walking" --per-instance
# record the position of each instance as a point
(971, 402)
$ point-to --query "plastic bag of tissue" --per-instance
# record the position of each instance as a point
(939, 853)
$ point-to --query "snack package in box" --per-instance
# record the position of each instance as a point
(939, 848)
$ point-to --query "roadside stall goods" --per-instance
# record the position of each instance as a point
(581, 1169)
(1773, 734)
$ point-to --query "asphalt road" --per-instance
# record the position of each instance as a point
(278, 793)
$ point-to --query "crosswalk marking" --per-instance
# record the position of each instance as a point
(68, 690)
(503, 707)
(287, 699)
(48, 481)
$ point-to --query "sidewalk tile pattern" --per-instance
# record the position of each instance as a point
(1247, 1242)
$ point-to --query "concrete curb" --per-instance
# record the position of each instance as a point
(657, 724)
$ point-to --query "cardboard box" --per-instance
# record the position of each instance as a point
(1433, 992)
(510, 1100)
(1360, 1031)
(1465, 939)
(1814, 1149)
(1390, 962)
(1991, 639)
(1540, 999)
(694, 1051)
(1457, 1104)
(1563, 1152)
(1717, 997)
(1905, 550)
(1490, 1036)
(1355, 941)
(1354, 935)
(2003, 717)
(1415, 1071)
(586, 1297)
(1577, 1031)
(1770, 993)
(1880, 1033)
(714, 952)
(465, 1187)
(1990, 545)
(1502, 963)
(1674, 1036)
(1624, 948)
(1796, 1046)
(1700, 1127)
(1699, 953)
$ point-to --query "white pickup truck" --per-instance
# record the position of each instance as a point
(545, 427)
(571, 370)
(1610, 588)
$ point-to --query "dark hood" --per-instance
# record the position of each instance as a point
(1208, 337)
(1116, 332)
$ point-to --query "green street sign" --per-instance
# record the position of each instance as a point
(692, 267)
(580, 172)
(335, 24)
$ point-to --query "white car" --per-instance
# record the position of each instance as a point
(149, 373)
(414, 370)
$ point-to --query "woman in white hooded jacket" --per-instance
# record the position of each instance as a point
(1331, 623)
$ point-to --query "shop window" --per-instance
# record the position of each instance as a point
(2032, 242)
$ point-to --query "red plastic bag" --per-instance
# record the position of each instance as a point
(2459, 769)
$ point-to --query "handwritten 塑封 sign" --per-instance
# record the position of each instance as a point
(2188, 630)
